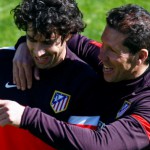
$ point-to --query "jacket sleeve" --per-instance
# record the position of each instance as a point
(125, 133)
(87, 49)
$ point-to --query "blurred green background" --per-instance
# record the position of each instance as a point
(94, 15)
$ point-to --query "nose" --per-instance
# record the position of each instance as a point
(39, 53)
(38, 50)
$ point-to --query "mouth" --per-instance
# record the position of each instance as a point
(107, 69)
(42, 60)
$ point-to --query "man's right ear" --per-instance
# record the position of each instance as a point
(68, 37)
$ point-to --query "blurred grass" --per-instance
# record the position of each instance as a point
(94, 15)
(95, 11)
(8, 31)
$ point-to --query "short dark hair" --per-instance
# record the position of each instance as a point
(134, 21)
(49, 16)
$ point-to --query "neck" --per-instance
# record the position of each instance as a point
(141, 70)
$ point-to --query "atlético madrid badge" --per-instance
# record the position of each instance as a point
(59, 101)
(123, 109)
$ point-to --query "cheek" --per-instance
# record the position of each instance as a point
(125, 64)
(128, 62)
(52, 50)
(30, 45)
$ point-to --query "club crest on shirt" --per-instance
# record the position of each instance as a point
(123, 109)
(59, 101)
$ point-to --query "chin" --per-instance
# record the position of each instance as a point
(40, 66)
(108, 79)
(111, 80)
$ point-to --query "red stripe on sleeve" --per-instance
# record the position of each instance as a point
(144, 123)
(96, 43)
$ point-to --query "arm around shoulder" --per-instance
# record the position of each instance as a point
(125, 133)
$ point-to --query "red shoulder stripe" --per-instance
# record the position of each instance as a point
(96, 43)
(144, 123)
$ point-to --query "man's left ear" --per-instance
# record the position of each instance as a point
(143, 55)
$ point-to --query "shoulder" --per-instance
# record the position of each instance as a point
(83, 44)
(78, 64)
(6, 52)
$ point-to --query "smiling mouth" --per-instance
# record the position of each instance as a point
(42, 60)
(107, 69)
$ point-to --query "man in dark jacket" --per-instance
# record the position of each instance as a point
(124, 91)
(66, 80)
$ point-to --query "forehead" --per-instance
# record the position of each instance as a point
(113, 38)
(39, 36)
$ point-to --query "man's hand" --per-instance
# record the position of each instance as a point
(10, 113)
(22, 68)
